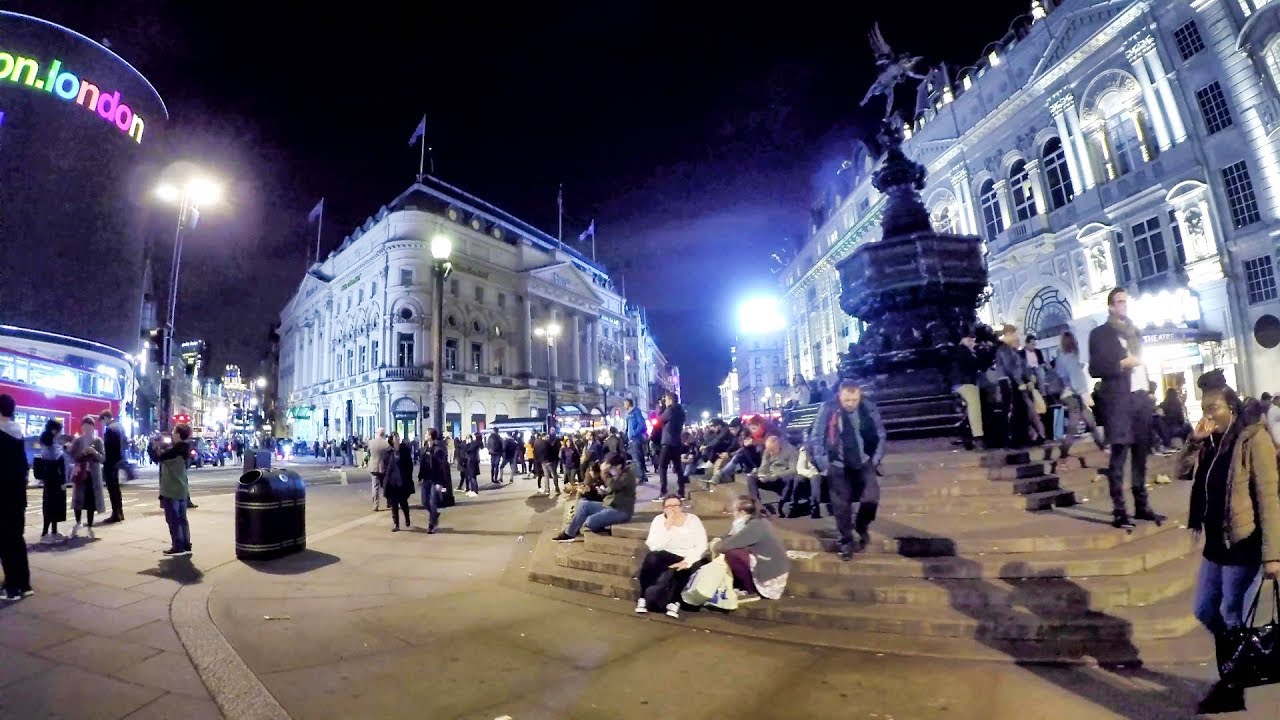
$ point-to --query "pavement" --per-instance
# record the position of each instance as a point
(367, 623)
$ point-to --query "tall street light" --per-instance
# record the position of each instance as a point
(188, 195)
(550, 331)
(605, 378)
(441, 248)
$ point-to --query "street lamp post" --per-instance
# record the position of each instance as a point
(188, 196)
(605, 378)
(441, 248)
(550, 331)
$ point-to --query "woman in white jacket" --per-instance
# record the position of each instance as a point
(677, 541)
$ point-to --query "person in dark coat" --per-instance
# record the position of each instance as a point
(672, 423)
(510, 451)
(493, 443)
(113, 443)
(433, 473)
(13, 505)
(51, 471)
(1115, 357)
(472, 449)
(398, 479)
(846, 443)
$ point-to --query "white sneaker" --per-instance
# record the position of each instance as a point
(90, 534)
(640, 608)
(673, 610)
(472, 494)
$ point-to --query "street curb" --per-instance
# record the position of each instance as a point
(238, 693)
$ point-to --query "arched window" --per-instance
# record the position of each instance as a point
(1048, 313)
(942, 220)
(1024, 199)
(992, 220)
(1056, 174)
(1120, 119)
(1271, 56)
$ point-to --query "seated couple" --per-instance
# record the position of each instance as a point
(618, 488)
(678, 546)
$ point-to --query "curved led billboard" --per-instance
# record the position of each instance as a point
(79, 131)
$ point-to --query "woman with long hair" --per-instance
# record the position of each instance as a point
(398, 481)
(1075, 394)
(1235, 507)
(87, 452)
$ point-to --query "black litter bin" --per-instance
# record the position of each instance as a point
(270, 514)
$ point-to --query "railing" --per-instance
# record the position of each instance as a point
(404, 373)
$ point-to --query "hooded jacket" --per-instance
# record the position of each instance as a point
(1252, 476)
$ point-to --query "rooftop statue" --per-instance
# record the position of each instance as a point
(894, 68)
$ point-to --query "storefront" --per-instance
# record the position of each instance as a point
(1176, 349)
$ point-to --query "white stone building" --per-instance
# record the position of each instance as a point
(760, 374)
(356, 338)
(1099, 143)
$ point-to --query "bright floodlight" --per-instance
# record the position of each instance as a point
(760, 316)
(706, 414)
(203, 191)
(262, 382)
(168, 192)
(441, 247)
(553, 330)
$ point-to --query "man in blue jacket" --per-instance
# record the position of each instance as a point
(672, 424)
(847, 443)
(637, 433)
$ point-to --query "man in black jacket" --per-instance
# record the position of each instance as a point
(493, 444)
(672, 423)
(13, 505)
(113, 443)
(1115, 357)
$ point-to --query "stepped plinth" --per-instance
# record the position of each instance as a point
(999, 555)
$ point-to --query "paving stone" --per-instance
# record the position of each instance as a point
(169, 671)
(30, 633)
(175, 706)
(18, 665)
(106, 596)
(158, 634)
(94, 652)
(74, 693)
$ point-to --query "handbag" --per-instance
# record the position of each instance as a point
(1038, 401)
(707, 582)
(1250, 656)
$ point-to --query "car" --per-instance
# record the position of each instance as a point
(204, 452)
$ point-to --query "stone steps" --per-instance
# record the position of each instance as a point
(904, 500)
(954, 610)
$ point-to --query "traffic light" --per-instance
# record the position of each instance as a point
(426, 413)
(155, 342)
(181, 419)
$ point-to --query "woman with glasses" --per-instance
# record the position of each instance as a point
(677, 541)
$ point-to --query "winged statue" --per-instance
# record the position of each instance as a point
(894, 68)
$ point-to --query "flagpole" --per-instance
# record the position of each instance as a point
(593, 240)
(422, 155)
(560, 216)
(319, 228)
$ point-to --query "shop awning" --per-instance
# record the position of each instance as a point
(300, 412)
(1179, 336)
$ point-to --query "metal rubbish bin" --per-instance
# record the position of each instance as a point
(271, 510)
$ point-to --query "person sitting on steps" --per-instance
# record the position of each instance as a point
(777, 472)
(618, 506)
(676, 543)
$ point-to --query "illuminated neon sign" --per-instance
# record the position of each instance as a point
(22, 70)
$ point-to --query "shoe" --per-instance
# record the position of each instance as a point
(190, 505)
(602, 531)
(815, 513)
(174, 552)
(395, 528)
(7, 596)
(1150, 515)
(673, 610)
(47, 540)
(846, 552)
(473, 494)
(111, 520)
(89, 533)
(28, 593)
(431, 529)
(746, 597)
(1222, 698)
(563, 538)
(864, 539)
(640, 608)
(1122, 522)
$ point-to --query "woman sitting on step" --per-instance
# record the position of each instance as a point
(677, 541)
(1235, 506)
(754, 554)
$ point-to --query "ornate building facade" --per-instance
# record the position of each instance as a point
(1099, 143)
(356, 350)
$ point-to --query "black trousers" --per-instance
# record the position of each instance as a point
(398, 506)
(659, 584)
(670, 456)
(111, 478)
(13, 552)
(854, 485)
(1137, 413)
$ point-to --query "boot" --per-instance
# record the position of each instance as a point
(1149, 515)
(815, 512)
(1222, 698)
(1122, 522)
(862, 523)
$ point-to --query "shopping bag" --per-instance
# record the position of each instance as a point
(706, 582)
(1250, 656)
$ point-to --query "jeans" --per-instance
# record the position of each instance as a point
(175, 514)
(1221, 594)
(13, 552)
(669, 457)
(495, 468)
(431, 501)
(596, 516)
(473, 483)
(637, 456)
(744, 460)
(549, 470)
(782, 486)
(1077, 412)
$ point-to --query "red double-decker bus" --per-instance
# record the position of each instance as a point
(60, 377)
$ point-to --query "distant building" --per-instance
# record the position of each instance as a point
(355, 340)
(729, 401)
(759, 374)
(1098, 144)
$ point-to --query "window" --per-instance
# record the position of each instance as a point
(1057, 174)
(1122, 256)
(811, 295)
(351, 361)
(1176, 231)
(477, 357)
(1260, 279)
(863, 206)
(479, 294)
(1213, 105)
(453, 287)
(373, 289)
(1024, 200)
(348, 302)
(1153, 257)
(992, 221)
(499, 361)
(1188, 40)
(361, 295)
(364, 358)
(1271, 55)
(451, 354)
(1126, 147)
(373, 354)
(404, 350)
(337, 366)
(1240, 197)
(406, 276)
(502, 300)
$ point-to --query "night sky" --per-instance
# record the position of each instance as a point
(694, 133)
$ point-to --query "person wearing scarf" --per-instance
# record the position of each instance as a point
(1115, 357)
